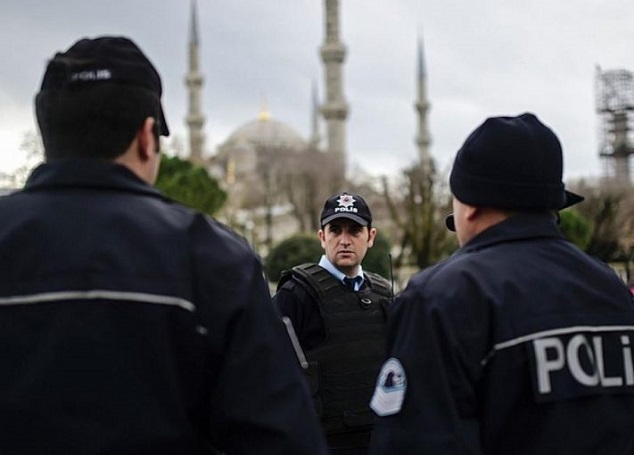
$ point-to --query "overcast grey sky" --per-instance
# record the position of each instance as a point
(491, 57)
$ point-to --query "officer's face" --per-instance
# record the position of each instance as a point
(346, 243)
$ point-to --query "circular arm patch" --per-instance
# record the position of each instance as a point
(389, 392)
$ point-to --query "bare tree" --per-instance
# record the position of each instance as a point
(610, 210)
(309, 180)
(271, 166)
(418, 210)
(33, 149)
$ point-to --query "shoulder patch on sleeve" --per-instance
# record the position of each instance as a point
(389, 392)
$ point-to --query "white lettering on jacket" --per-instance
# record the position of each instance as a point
(584, 358)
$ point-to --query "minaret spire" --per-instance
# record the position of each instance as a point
(314, 134)
(193, 31)
(423, 140)
(335, 108)
(194, 81)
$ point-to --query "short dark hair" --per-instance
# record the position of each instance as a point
(99, 122)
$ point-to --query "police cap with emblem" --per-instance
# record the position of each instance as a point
(512, 163)
(106, 60)
(351, 206)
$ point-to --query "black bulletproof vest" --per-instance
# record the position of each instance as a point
(343, 369)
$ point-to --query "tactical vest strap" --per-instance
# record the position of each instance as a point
(319, 279)
(379, 284)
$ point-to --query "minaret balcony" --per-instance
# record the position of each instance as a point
(194, 79)
(334, 111)
(333, 52)
(195, 121)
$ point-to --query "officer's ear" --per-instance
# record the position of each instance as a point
(147, 139)
(321, 234)
(472, 213)
(371, 237)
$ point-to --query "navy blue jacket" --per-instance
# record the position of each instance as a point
(132, 325)
(517, 344)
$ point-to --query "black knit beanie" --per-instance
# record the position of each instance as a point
(511, 163)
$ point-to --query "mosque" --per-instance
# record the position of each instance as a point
(254, 150)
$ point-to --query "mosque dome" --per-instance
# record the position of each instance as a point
(265, 132)
(238, 156)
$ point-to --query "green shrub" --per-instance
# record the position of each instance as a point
(190, 185)
(377, 259)
(575, 228)
(293, 251)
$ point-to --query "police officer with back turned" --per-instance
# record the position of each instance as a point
(130, 324)
(519, 343)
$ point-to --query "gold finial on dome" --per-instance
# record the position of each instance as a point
(264, 114)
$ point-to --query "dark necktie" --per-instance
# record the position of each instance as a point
(349, 282)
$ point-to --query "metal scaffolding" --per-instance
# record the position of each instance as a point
(615, 108)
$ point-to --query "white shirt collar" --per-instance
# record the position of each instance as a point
(334, 271)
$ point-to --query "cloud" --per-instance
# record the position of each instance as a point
(483, 58)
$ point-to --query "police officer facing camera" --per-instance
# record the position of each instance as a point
(519, 343)
(129, 323)
(338, 312)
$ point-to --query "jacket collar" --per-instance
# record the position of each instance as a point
(517, 227)
(87, 173)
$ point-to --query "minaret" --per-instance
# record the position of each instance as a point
(335, 108)
(194, 81)
(314, 134)
(422, 107)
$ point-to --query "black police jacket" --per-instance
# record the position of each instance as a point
(132, 325)
(517, 344)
